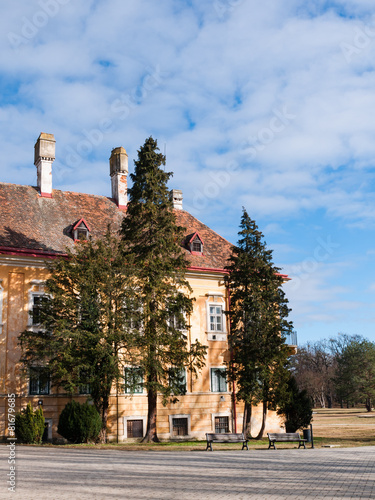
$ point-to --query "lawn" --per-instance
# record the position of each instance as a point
(331, 427)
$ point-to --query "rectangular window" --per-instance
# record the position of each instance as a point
(133, 380)
(134, 314)
(216, 318)
(39, 381)
(177, 380)
(179, 426)
(218, 380)
(84, 386)
(134, 428)
(221, 425)
(177, 321)
(197, 245)
(38, 301)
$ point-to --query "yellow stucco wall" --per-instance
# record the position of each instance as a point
(21, 276)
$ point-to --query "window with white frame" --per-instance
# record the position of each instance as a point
(177, 320)
(39, 381)
(196, 245)
(216, 323)
(81, 231)
(177, 380)
(37, 304)
(179, 425)
(134, 313)
(134, 426)
(221, 424)
(218, 379)
(133, 380)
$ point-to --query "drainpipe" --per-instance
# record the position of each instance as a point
(233, 381)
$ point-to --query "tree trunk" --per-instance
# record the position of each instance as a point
(246, 426)
(264, 418)
(151, 436)
(103, 431)
(368, 404)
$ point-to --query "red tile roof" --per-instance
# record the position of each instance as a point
(43, 226)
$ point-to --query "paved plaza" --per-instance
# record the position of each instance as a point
(52, 473)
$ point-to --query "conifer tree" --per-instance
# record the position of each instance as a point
(83, 337)
(152, 240)
(258, 322)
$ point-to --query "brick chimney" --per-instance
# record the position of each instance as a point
(118, 166)
(175, 195)
(43, 158)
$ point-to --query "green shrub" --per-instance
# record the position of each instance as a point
(296, 407)
(29, 425)
(79, 423)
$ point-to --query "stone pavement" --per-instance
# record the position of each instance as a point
(52, 473)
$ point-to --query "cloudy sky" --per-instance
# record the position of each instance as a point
(268, 105)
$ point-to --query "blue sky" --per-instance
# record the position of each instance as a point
(268, 105)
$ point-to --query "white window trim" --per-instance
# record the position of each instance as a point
(184, 331)
(218, 300)
(134, 417)
(180, 415)
(36, 290)
(221, 414)
(218, 368)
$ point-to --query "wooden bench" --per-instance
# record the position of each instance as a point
(285, 437)
(226, 438)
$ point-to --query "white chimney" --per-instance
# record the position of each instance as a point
(118, 166)
(175, 196)
(43, 158)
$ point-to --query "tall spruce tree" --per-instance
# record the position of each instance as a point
(83, 336)
(259, 322)
(152, 240)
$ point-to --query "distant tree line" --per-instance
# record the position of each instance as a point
(337, 371)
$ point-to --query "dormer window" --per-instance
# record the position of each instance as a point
(195, 244)
(81, 231)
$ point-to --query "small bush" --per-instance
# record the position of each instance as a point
(79, 423)
(29, 425)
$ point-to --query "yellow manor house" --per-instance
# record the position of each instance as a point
(38, 224)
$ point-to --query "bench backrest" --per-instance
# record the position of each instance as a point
(283, 436)
(225, 437)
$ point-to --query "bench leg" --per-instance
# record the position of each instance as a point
(302, 444)
(272, 445)
(244, 445)
(209, 446)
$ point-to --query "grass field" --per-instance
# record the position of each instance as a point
(344, 427)
(331, 427)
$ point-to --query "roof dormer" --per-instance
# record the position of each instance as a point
(81, 230)
(194, 243)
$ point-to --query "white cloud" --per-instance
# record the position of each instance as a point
(211, 83)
